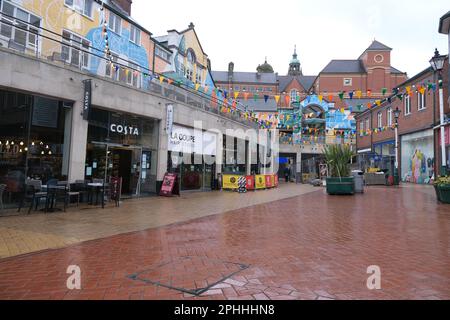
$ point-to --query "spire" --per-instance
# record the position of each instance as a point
(294, 56)
(294, 66)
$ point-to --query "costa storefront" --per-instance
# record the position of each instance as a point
(123, 145)
(192, 156)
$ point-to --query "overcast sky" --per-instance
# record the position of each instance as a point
(246, 31)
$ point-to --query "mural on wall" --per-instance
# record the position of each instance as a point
(417, 158)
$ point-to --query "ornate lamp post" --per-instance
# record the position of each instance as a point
(396, 176)
(437, 63)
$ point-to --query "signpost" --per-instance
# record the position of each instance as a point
(87, 98)
(170, 186)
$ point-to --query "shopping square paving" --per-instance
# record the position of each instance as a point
(294, 242)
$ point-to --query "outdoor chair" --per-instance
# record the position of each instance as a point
(2, 190)
(33, 194)
(72, 192)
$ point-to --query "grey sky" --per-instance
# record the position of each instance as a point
(246, 31)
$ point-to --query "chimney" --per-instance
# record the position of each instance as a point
(125, 5)
(230, 69)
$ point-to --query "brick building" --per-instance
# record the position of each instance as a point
(417, 99)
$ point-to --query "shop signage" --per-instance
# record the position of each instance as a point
(188, 140)
(230, 181)
(170, 185)
(124, 129)
(169, 119)
(87, 98)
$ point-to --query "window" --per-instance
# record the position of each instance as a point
(407, 104)
(294, 95)
(72, 47)
(367, 124)
(389, 116)
(347, 82)
(110, 70)
(115, 23)
(379, 119)
(135, 35)
(420, 101)
(24, 34)
(198, 76)
(133, 74)
(81, 6)
(162, 53)
(361, 125)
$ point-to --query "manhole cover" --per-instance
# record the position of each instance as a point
(193, 275)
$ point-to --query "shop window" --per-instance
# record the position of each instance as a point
(347, 82)
(19, 25)
(75, 50)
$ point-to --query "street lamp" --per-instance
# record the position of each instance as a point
(437, 63)
(396, 116)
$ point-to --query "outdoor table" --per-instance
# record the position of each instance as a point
(95, 188)
(49, 203)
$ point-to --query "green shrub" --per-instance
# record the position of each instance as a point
(338, 159)
(442, 181)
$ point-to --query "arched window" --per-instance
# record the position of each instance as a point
(188, 69)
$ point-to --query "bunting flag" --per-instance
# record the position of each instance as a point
(320, 97)
(277, 98)
(408, 89)
(225, 94)
(378, 102)
(422, 90)
(206, 89)
(169, 81)
(350, 94)
(246, 94)
(236, 95)
(197, 86)
(288, 100)
(359, 94)
(330, 97)
(369, 93)
(266, 97)
(341, 95)
(383, 91)
(399, 96)
(161, 79)
(255, 97)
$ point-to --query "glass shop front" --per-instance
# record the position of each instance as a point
(125, 146)
(34, 141)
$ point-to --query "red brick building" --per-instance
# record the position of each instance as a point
(418, 100)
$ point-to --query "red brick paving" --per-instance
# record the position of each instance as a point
(307, 247)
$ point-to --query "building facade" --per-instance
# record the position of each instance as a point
(80, 98)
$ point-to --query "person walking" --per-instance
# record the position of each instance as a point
(287, 173)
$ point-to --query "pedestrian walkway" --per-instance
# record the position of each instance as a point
(29, 233)
(310, 246)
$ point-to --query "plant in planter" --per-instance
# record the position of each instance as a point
(338, 159)
(442, 188)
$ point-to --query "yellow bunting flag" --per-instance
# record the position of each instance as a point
(359, 94)
(197, 86)
(161, 79)
(320, 98)
(277, 98)
(342, 110)
(422, 90)
(408, 89)
(236, 95)
(378, 102)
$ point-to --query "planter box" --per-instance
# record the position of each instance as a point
(443, 193)
(341, 185)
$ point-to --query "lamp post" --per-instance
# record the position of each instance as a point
(396, 176)
(437, 63)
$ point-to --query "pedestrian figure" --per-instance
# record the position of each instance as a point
(287, 173)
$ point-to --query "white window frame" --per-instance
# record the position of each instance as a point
(380, 119)
(361, 125)
(135, 35)
(389, 116)
(294, 94)
(28, 43)
(116, 26)
(108, 68)
(407, 105)
(350, 80)
(75, 46)
(132, 79)
(198, 76)
(421, 101)
(367, 124)
(73, 4)
(163, 54)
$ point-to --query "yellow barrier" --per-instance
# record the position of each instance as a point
(230, 181)
(260, 181)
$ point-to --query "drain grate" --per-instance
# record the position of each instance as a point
(189, 274)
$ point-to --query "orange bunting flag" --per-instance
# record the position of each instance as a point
(288, 100)
(330, 97)
(236, 95)
(277, 98)
(369, 105)
(169, 81)
(246, 95)
(234, 105)
(408, 89)
(422, 90)
(320, 97)
(197, 85)
(369, 93)
(161, 79)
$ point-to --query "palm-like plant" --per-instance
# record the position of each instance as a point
(338, 159)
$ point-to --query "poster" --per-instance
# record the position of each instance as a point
(250, 182)
(268, 178)
(230, 181)
(260, 181)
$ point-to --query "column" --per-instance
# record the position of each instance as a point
(77, 144)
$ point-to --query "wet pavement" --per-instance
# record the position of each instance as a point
(310, 246)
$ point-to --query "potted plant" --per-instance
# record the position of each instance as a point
(338, 159)
(442, 188)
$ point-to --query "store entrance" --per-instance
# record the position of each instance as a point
(122, 163)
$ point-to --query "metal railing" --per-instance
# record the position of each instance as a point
(148, 80)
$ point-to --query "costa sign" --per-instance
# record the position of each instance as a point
(124, 129)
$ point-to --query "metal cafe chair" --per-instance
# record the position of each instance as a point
(33, 193)
(71, 192)
(2, 190)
